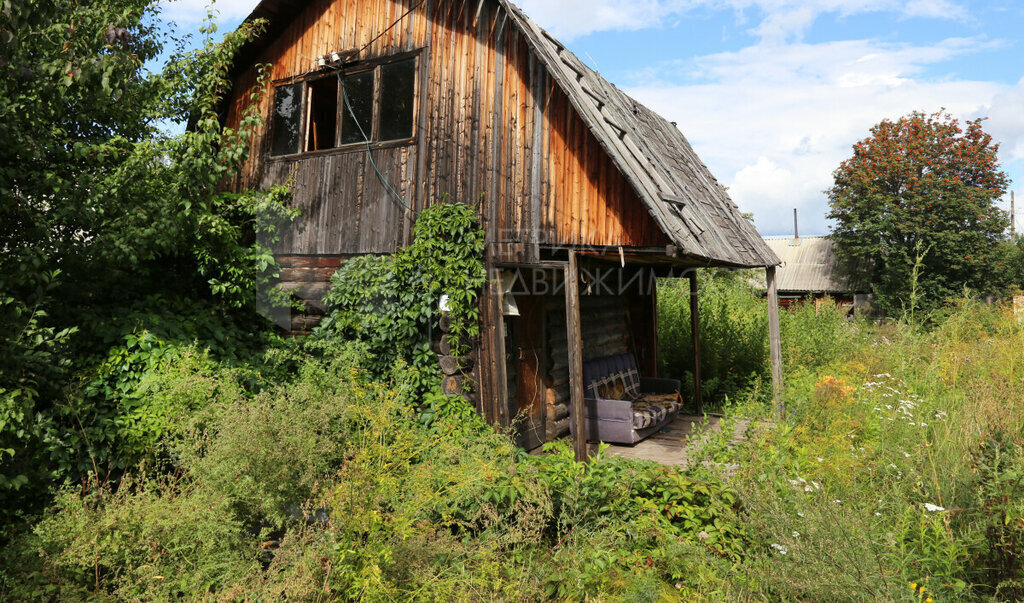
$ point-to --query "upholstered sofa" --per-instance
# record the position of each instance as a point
(620, 406)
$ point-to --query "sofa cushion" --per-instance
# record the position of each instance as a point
(615, 390)
(653, 409)
(602, 377)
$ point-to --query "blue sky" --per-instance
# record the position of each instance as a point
(773, 93)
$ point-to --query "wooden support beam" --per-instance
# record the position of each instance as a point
(698, 395)
(572, 322)
(774, 337)
(500, 416)
(654, 330)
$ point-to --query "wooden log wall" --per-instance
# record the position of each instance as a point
(307, 278)
(492, 130)
(605, 332)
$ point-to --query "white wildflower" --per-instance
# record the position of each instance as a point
(932, 508)
(796, 534)
(780, 548)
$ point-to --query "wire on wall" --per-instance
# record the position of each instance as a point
(369, 151)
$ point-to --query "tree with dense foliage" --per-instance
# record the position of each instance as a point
(915, 211)
(108, 224)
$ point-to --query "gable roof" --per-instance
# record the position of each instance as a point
(807, 267)
(685, 200)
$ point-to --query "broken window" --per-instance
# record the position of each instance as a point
(364, 103)
(323, 114)
(357, 107)
(397, 85)
(287, 119)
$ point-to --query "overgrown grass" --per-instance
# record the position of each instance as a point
(898, 463)
(733, 329)
(330, 485)
(298, 476)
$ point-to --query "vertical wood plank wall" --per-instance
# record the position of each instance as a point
(486, 104)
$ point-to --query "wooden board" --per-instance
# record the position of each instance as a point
(698, 384)
(528, 356)
(572, 319)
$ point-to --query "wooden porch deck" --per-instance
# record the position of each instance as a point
(676, 443)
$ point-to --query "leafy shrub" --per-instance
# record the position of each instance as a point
(999, 515)
(153, 539)
(31, 363)
(391, 302)
(733, 329)
(267, 454)
(815, 335)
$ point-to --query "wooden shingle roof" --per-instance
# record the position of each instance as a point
(686, 201)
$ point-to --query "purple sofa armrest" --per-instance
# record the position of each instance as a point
(609, 410)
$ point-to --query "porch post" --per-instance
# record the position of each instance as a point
(500, 412)
(572, 322)
(774, 337)
(698, 395)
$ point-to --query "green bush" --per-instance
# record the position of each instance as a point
(815, 335)
(392, 302)
(157, 539)
(268, 454)
(733, 331)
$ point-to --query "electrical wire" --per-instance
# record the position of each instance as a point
(369, 151)
(390, 27)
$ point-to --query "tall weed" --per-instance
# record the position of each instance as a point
(733, 331)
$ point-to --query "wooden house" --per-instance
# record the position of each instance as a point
(379, 108)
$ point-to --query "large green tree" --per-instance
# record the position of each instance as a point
(107, 220)
(915, 211)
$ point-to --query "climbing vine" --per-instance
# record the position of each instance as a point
(392, 302)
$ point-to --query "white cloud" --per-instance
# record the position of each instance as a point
(1006, 123)
(780, 20)
(773, 121)
(191, 12)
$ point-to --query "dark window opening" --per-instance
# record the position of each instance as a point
(357, 107)
(397, 89)
(287, 119)
(364, 103)
(323, 114)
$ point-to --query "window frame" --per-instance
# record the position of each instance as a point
(373, 65)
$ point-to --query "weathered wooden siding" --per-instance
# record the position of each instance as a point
(493, 130)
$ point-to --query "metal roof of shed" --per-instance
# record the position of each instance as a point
(809, 266)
